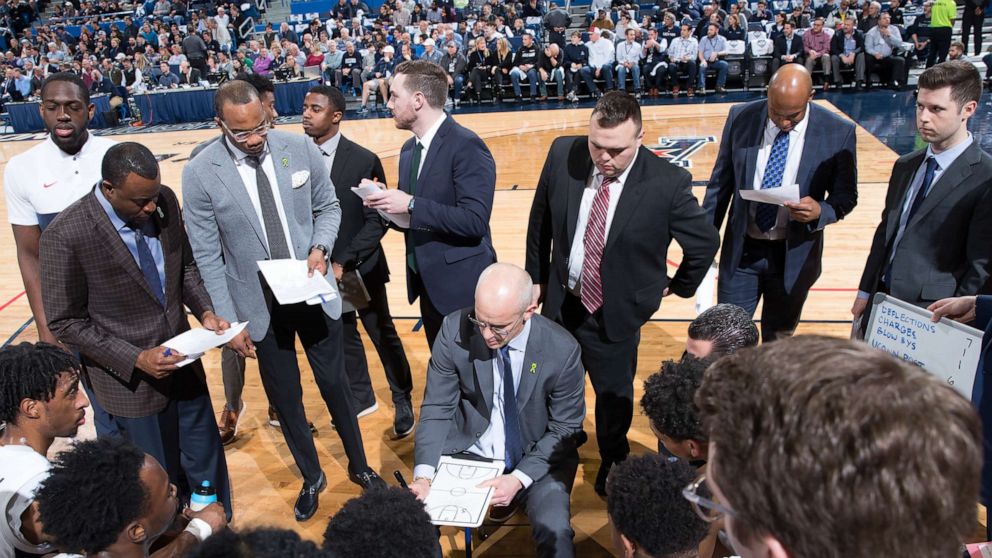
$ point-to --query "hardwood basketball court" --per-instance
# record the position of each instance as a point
(264, 479)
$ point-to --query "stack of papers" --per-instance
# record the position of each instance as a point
(291, 284)
(366, 188)
(195, 342)
(774, 196)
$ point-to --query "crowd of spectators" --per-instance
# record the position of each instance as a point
(489, 49)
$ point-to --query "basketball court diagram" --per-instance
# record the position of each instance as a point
(455, 497)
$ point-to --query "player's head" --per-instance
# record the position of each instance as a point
(66, 111)
(40, 391)
(385, 523)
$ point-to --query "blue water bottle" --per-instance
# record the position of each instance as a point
(203, 496)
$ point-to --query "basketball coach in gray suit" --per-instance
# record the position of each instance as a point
(260, 195)
(508, 385)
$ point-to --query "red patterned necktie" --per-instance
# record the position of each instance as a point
(593, 243)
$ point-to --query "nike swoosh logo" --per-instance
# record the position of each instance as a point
(49, 185)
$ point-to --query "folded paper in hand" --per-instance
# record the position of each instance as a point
(775, 196)
(366, 188)
(290, 284)
(195, 342)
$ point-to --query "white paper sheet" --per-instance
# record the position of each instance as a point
(706, 290)
(366, 188)
(195, 342)
(776, 196)
(290, 284)
(454, 498)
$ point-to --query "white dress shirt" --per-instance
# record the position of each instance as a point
(329, 149)
(577, 255)
(427, 139)
(251, 186)
(797, 139)
(492, 443)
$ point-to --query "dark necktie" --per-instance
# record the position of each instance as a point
(594, 241)
(274, 234)
(147, 262)
(411, 257)
(766, 214)
(511, 421)
(918, 198)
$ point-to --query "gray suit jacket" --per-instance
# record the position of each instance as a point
(227, 237)
(458, 398)
(944, 251)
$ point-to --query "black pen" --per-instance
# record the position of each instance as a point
(400, 479)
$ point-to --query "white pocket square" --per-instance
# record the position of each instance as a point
(300, 178)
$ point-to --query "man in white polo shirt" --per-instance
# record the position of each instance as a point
(48, 178)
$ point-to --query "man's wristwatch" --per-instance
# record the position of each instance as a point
(320, 247)
(409, 206)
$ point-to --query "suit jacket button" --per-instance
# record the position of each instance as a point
(478, 434)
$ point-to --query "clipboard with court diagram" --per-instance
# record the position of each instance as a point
(455, 498)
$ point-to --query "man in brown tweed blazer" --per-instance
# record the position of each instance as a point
(117, 270)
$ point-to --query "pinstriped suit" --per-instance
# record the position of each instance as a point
(98, 302)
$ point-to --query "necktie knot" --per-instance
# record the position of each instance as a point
(253, 161)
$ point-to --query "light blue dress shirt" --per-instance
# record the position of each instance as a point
(128, 237)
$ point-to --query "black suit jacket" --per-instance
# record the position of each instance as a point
(357, 245)
(827, 173)
(781, 46)
(193, 79)
(837, 42)
(946, 247)
(656, 206)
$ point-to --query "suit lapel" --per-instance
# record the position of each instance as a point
(806, 161)
(630, 198)
(958, 172)
(531, 370)
(482, 361)
(576, 186)
(404, 178)
(227, 173)
(751, 151)
(282, 160)
(431, 154)
(340, 161)
(167, 237)
(118, 250)
(908, 173)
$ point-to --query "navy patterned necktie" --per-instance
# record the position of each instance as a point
(147, 262)
(511, 421)
(766, 213)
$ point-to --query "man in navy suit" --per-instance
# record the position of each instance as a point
(447, 180)
(774, 252)
(976, 311)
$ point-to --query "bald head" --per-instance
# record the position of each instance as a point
(503, 303)
(504, 285)
(789, 92)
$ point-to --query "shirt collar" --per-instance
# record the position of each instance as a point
(115, 219)
(945, 158)
(240, 156)
(519, 343)
(83, 151)
(330, 146)
(431, 132)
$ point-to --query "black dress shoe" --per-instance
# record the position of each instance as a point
(368, 480)
(604, 472)
(403, 423)
(306, 504)
(501, 514)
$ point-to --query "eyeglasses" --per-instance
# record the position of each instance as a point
(261, 131)
(705, 508)
(500, 332)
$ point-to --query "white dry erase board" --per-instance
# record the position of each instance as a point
(947, 349)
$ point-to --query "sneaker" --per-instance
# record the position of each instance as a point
(692, 92)
(721, 90)
(637, 95)
(701, 92)
(229, 422)
(367, 410)
(457, 103)
(274, 421)
(403, 423)
(572, 96)
(363, 110)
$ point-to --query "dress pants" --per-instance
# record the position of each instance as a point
(761, 275)
(232, 371)
(183, 438)
(969, 22)
(103, 422)
(889, 69)
(940, 43)
(859, 68)
(430, 316)
(379, 326)
(321, 338)
(547, 504)
(611, 366)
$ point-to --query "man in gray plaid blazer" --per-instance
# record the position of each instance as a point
(117, 270)
(257, 195)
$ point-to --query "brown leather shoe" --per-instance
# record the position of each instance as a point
(229, 421)
(692, 92)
